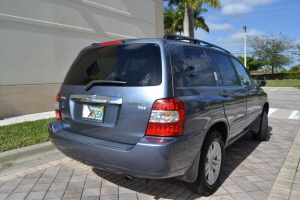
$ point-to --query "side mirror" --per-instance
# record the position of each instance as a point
(261, 81)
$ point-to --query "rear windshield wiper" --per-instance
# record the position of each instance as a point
(103, 82)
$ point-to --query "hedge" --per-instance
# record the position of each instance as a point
(278, 76)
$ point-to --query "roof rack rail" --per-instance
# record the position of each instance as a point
(169, 36)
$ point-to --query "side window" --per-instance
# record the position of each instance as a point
(226, 70)
(215, 69)
(243, 75)
(198, 67)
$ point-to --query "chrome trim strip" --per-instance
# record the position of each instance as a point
(96, 99)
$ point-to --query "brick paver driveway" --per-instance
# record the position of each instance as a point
(253, 170)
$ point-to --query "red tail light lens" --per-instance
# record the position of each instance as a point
(57, 109)
(167, 118)
(111, 43)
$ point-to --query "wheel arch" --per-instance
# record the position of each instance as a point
(221, 127)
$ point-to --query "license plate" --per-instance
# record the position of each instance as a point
(92, 112)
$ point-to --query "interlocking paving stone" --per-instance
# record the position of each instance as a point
(91, 192)
(40, 187)
(242, 195)
(109, 190)
(90, 198)
(92, 184)
(75, 186)
(249, 187)
(73, 193)
(19, 196)
(35, 195)
(109, 197)
(58, 186)
(263, 185)
(258, 195)
(240, 179)
(4, 196)
(231, 189)
(252, 171)
(53, 194)
(24, 188)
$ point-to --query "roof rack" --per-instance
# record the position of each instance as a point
(169, 36)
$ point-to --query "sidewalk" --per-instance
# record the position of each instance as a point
(29, 117)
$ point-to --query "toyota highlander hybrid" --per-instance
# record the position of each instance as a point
(158, 108)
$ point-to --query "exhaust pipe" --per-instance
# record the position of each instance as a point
(129, 178)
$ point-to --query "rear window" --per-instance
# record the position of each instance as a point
(135, 64)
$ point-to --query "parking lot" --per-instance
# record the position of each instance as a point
(253, 170)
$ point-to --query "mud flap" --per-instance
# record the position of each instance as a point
(192, 173)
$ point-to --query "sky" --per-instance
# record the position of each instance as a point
(262, 17)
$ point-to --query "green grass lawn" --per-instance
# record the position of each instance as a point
(24, 134)
(283, 83)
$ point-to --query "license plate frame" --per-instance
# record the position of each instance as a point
(93, 112)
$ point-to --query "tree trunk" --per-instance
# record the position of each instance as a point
(185, 21)
(191, 21)
(188, 21)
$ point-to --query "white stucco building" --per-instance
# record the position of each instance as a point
(39, 39)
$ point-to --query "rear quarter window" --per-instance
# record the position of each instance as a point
(135, 64)
(226, 70)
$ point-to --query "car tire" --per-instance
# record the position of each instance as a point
(263, 128)
(210, 166)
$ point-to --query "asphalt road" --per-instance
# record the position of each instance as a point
(284, 97)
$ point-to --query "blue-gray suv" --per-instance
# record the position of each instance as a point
(158, 108)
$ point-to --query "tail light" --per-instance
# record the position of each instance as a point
(57, 107)
(167, 118)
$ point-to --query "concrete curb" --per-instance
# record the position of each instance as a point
(27, 153)
(288, 175)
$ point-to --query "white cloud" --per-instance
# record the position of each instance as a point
(219, 27)
(202, 35)
(234, 7)
(237, 39)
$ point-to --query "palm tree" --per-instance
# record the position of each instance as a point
(189, 7)
(174, 17)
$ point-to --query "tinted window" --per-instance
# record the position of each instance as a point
(198, 67)
(136, 64)
(215, 69)
(226, 70)
(243, 75)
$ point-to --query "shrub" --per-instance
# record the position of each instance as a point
(278, 76)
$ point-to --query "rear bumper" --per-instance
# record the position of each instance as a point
(173, 157)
